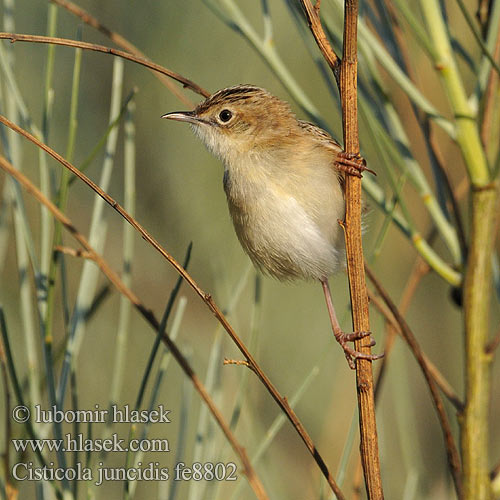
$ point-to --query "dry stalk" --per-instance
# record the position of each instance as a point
(355, 259)
(18, 37)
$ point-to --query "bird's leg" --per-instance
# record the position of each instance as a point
(341, 337)
(352, 163)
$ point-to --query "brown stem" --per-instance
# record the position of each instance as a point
(451, 449)
(18, 37)
(280, 400)
(355, 260)
(347, 82)
(121, 42)
(148, 315)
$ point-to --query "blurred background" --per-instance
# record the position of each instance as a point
(179, 199)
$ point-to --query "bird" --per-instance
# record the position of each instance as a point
(284, 187)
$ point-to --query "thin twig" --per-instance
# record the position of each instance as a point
(18, 37)
(74, 252)
(207, 299)
(314, 22)
(147, 314)
(451, 449)
(120, 41)
(237, 362)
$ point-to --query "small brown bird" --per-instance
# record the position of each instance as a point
(283, 185)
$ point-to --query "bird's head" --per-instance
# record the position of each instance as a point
(240, 120)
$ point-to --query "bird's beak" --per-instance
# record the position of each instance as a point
(183, 116)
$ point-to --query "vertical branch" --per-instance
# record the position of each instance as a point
(474, 424)
(347, 82)
(477, 291)
(355, 261)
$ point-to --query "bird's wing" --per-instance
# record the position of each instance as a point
(321, 135)
(327, 140)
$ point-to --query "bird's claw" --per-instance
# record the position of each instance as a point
(351, 354)
(352, 163)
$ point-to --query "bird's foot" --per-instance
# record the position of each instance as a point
(352, 163)
(351, 354)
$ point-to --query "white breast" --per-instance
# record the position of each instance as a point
(285, 237)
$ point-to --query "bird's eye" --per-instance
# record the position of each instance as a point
(225, 115)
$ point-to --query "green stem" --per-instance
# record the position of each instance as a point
(467, 131)
(475, 432)
(128, 257)
(62, 200)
